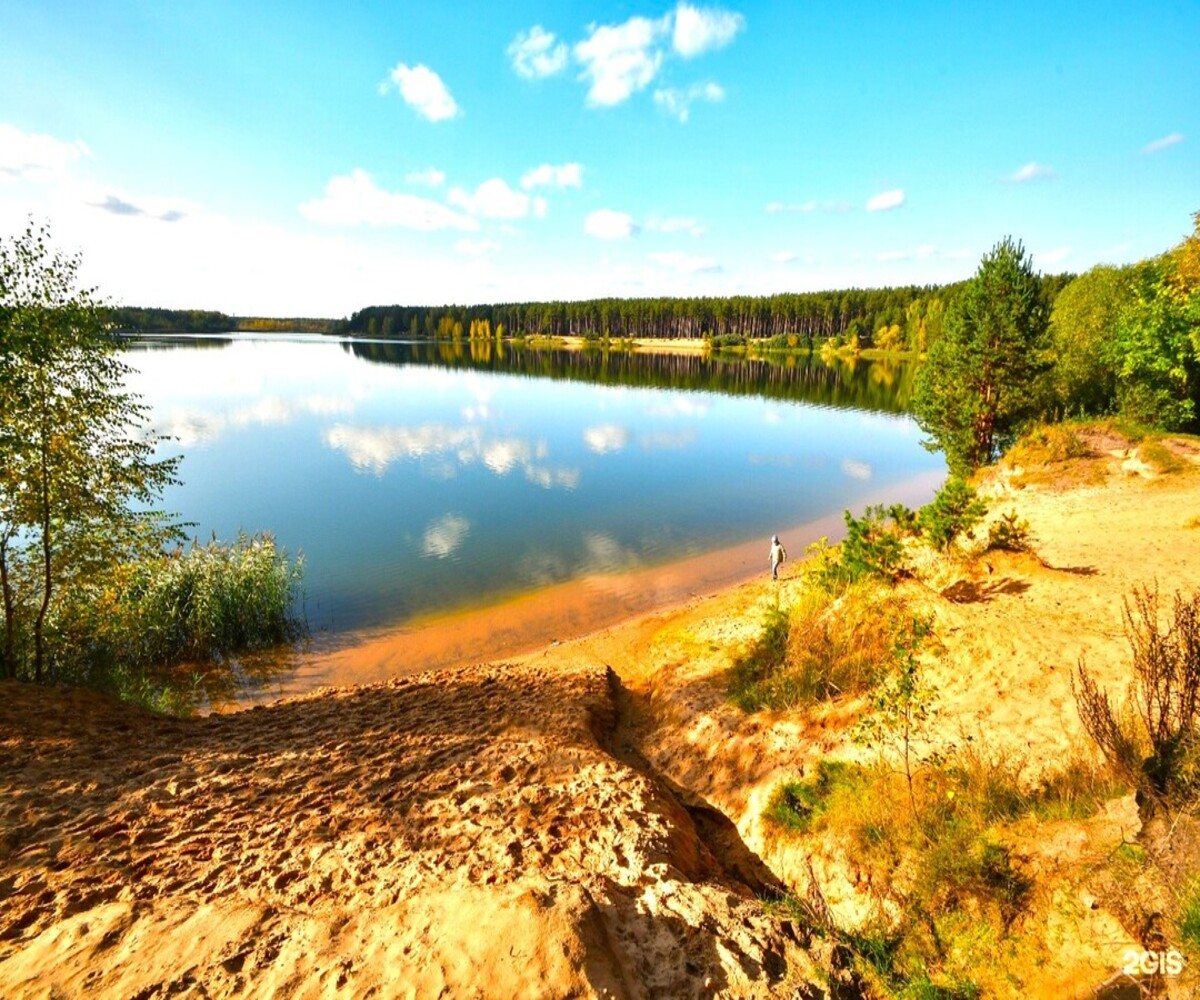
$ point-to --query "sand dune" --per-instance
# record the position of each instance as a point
(459, 834)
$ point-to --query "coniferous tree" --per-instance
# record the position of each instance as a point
(985, 377)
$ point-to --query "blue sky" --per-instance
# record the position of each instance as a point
(310, 159)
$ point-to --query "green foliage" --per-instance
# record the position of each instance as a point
(984, 380)
(89, 595)
(1009, 534)
(1156, 357)
(823, 647)
(1189, 917)
(751, 674)
(197, 606)
(872, 549)
(849, 314)
(952, 513)
(794, 805)
(1081, 330)
(77, 470)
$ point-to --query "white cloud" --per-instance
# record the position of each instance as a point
(606, 555)
(436, 446)
(430, 177)
(1164, 143)
(355, 200)
(685, 263)
(445, 536)
(493, 199)
(856, 470)
(535, 54)
(699, 30)
(620, 59)
(423, 90)
(807, 207)
(36, 157)
(675, 224)
(475, 248)
(678, 103)
(784, 256)
(605, 224)
(567, 175)
(606, 438)
(886, 200)
(1031, 172)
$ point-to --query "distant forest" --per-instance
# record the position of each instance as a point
(903, 318)
(131, 319)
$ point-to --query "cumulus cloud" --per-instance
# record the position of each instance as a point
(423, 90)
(1031, 172)
(375, 449)
(620, 59)
(699, 30)
(807, 207)
(857, 470)
(606, 438)
(606, 224)
(355, 200)
(537, 53)
(33, 156)
(493, 199)
(686, 263)
(566, 175)
(675, 224)
(1164, 143)
(885, 201)
(445, 536)
(429, 177)
(678, 103)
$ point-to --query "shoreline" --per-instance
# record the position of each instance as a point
(522, 624)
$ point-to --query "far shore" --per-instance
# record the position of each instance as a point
(523, 623)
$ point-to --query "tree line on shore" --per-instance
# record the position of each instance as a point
(138, 319)
(907, 318)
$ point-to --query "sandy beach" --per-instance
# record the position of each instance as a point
(582, 820)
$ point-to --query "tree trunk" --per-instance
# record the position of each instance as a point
(39, 642)
(10, 615)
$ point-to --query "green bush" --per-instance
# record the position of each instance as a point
(1189, 918)
(1009, 534)
(823, 647)
(952, 513)
(125, 628)
(794, 805)
(751, 673)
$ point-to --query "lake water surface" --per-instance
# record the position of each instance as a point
(418, 478)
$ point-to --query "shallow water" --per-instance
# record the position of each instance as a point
(418, 478)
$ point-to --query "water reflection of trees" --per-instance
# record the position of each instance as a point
(159, 342)
(845, 383)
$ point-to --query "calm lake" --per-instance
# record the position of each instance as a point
(418, 477)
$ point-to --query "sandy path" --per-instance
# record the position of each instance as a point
(464, 833)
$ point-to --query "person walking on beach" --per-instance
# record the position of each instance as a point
(778, 555)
